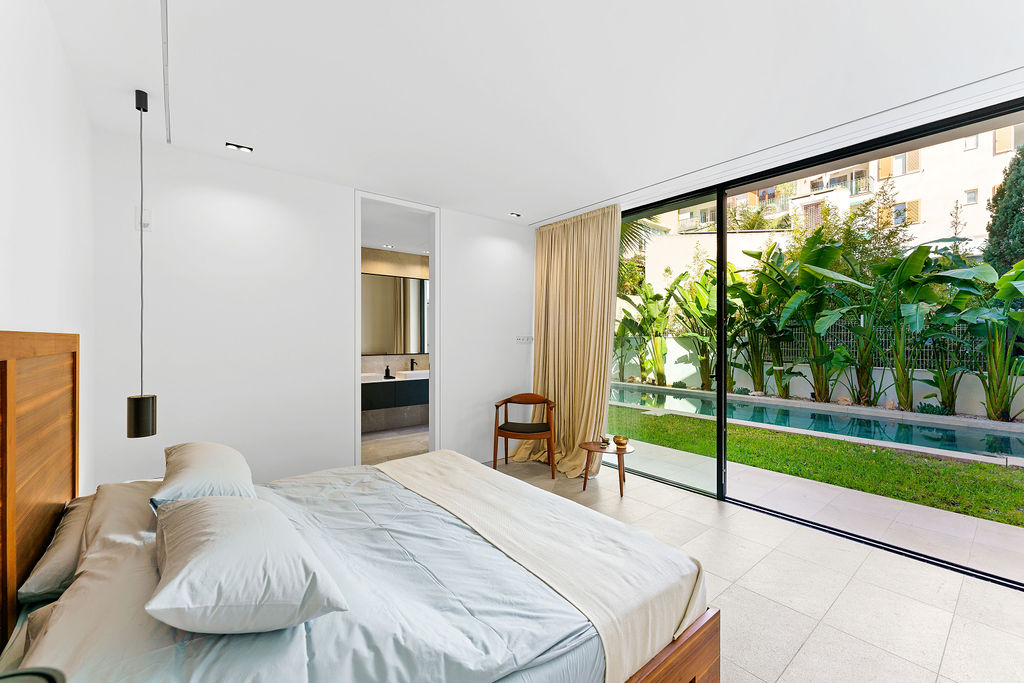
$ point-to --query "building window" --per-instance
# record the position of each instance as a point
(708, 215)
(817, 184)
(971, 196)
(1002, 140)
(899, 164)
(860, 182)
(838, 181)
(971, 142)
(899, 214)
(812, 216)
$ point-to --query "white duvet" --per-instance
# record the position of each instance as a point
(429, 598)
(638, 592)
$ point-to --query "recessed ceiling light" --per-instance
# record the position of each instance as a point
(238, 148)
(389, 246)
(426, 251)
(515, 215)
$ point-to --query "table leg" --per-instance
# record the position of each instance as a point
(586, 471)
(622, 475)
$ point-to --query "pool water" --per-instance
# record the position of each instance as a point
(978, 441)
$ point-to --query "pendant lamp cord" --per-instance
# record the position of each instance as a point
(142, 298)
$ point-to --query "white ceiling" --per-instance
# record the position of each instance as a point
(403, 228)
(529, 106)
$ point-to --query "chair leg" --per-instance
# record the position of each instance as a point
(495, 463)
(551, 455)
(506, 450)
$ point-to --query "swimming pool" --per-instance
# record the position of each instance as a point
(829, 419)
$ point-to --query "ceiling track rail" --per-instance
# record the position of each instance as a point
(167, 79)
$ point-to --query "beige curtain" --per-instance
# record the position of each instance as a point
(574, 322)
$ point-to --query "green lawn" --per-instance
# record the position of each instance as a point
(977, 489)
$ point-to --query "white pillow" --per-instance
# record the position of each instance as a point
(203, 468)
(236, 565)
(56, 568)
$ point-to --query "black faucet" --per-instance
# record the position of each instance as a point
(412, 364)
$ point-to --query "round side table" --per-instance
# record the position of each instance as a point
(592, 447)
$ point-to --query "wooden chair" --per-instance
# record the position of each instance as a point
(526, 431)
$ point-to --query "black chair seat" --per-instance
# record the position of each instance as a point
(524, 427)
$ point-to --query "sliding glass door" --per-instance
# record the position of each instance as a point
(874, 327)
(842, 342)
(663, 374)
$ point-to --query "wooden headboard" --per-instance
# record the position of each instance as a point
(38, 450)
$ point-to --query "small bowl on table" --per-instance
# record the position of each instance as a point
(620, 441)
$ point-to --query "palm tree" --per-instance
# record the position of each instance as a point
(633, 236)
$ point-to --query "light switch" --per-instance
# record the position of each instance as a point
(147, 220)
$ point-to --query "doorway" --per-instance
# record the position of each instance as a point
(396, 328)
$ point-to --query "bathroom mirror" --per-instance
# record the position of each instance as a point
(394, 315)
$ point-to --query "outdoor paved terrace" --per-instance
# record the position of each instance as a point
(800, 604)
(978, 543)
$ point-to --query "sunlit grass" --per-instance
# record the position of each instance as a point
(977, 489)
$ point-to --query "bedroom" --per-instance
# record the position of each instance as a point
(502, 120)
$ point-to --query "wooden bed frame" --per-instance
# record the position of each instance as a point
(38, 451)
(693, 657)
(39, 474)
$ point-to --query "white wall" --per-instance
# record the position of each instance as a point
(45, 192)
(485, 299)
(250, 308)
(249, 311)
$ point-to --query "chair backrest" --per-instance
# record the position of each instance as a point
(526, 399)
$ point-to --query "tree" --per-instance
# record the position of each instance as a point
(632, 272)
(1005, 245)
(957, 225)
(744, 218)
(866, 233)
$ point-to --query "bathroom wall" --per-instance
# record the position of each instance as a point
(397, 362)
(395, 263)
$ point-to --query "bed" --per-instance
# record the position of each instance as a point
(433, 591)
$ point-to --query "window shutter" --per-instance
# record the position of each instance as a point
(885, 215)
(913, 211)
(913, 160)
(1003, 141)
(884, 168)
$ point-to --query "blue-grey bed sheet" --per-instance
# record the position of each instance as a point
(429, 600)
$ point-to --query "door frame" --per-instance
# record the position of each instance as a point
(433, 318)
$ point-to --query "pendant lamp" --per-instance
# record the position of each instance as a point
(142, 407)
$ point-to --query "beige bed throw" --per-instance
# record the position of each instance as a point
(638, 592)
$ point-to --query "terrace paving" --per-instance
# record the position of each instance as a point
(977, 543)
(800, 604)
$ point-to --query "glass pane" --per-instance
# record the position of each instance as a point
(873, 359)
(662, 394)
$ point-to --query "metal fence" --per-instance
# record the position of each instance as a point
(968, 355)
(795, 350)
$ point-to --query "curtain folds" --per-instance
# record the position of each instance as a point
(574, 322)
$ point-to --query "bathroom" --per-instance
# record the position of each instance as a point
(396, 330)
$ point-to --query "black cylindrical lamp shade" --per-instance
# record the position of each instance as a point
(141, 416)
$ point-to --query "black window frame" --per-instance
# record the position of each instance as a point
(765, 177)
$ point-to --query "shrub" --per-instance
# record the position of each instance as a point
(932, 409)
(679, 384)
(742, 391)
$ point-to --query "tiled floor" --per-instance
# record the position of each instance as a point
(989, 546)
(378, 447)
(802, 605)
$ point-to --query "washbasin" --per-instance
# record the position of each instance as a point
(413, 374)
